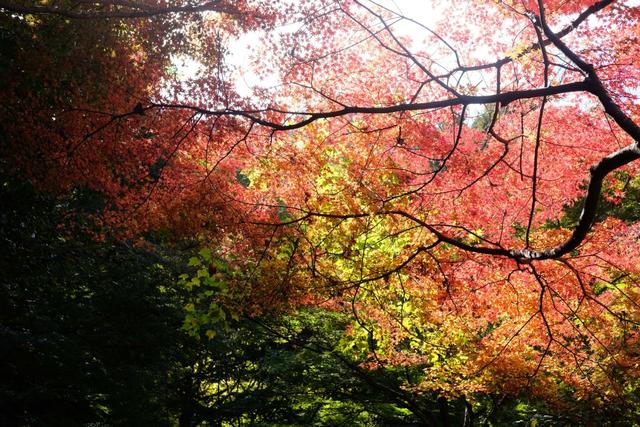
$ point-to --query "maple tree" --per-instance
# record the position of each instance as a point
(475, 217)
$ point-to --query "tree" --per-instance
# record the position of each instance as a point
(90, 330)
(452, 241)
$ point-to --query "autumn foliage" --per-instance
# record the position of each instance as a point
(466, 189)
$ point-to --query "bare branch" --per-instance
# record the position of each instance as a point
(115, 9)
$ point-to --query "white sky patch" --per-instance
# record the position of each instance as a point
(239, 61)
(241, 49)
(186, 68)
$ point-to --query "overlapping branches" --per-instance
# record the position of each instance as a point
(114, 9)
(433, 88)
(591, 84)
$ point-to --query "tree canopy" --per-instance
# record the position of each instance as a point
(443, 204)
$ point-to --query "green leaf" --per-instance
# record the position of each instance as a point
(219, 264)
(205, 253)
(242, 178)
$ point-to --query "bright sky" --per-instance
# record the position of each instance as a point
(420, 11)
(238, 58)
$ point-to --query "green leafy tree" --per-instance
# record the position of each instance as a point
(90, 330)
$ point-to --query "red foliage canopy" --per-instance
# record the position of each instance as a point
(476, 216)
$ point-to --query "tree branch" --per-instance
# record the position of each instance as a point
(503, 99)
(132, 10)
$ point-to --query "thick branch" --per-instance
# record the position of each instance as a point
(596, 7)
(595, 84)
(131, 11)
(504, 98)
(599, 171)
